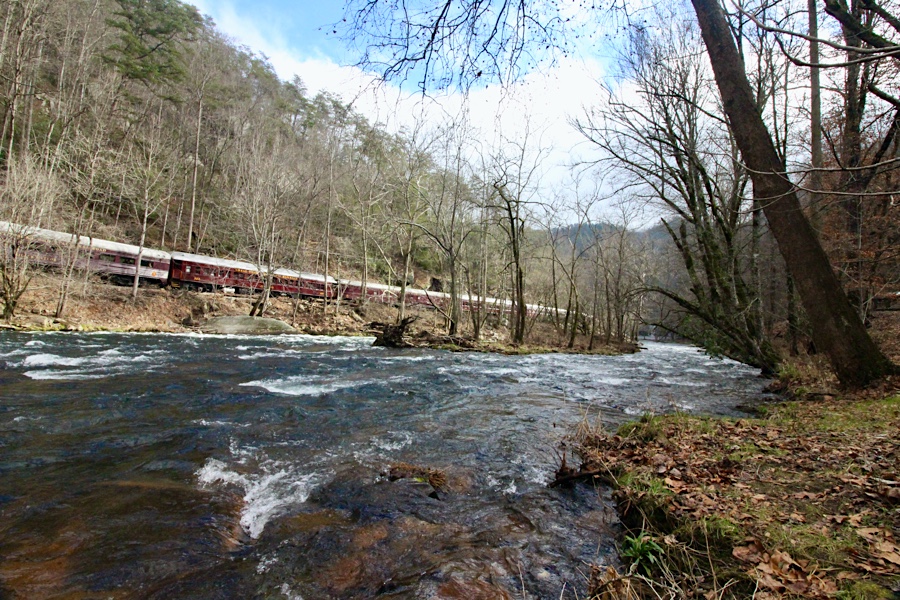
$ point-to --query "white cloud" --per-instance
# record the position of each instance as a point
(547, 98)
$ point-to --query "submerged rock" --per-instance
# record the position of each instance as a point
(440, 481)
(246, 325)
(475, 589)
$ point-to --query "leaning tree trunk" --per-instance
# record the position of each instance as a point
(836, 329)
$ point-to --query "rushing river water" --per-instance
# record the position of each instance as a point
(184, 466)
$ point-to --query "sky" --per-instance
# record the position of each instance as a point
(296, 36)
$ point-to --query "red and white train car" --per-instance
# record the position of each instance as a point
(375, 292)
(198, 272)
(206, 273)
(310, 285)
(114, 260)
(119, 262)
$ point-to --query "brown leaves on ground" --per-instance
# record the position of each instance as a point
(778, 572)
(814, 487)
(606, 584)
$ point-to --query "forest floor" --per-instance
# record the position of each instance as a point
(93, 305)
(802, 501)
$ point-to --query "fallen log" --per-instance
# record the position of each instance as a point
(392, 336)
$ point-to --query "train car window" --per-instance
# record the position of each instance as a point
(146, 263)
(187, 269)
(125, 260)
(107, 258)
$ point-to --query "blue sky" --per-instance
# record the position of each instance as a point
(289, 33)
(305, 25)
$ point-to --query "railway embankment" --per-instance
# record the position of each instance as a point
(98, 306)
(93, 305)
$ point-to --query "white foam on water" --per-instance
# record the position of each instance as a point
(55, 375)
(612, 380)
(393, 441)
(410, 358)
(257, 355)
(53, 360)
(268, 492)
(268, 496)
(289, 593)
(682, 383)
(502, 371)
(46, 366)
(215, 471)
(277, 352)
(207, 423)
(32, 343)
(492, 482)
(265, 563)
(305, 385)
(106, 362)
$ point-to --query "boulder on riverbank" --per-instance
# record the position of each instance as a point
(246, 326)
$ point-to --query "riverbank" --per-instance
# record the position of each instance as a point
(93, 305)
(803, 501)
(97, 306)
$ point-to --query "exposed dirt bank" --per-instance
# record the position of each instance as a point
(97, 306)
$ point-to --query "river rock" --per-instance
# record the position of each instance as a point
(471, 590)
(246, 325)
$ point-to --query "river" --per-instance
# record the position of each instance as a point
(188, 466)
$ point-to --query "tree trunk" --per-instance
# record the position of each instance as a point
(401, 311)
(195, 168)
(815, 109)
(137, 262)
(454, 298)
(836, 329)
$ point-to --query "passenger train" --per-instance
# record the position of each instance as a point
(119, 262)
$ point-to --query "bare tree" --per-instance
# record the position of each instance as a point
(835, 328)
(265, 186)
(516, 169)
(571, 243)
(27, 192)
(409, 167)
(149, 167)
(21, 50)
(673, 147)
(448, 196)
